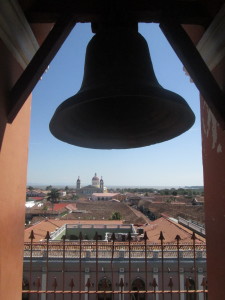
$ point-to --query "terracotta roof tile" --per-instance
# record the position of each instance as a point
(169, 229)
(59, 206)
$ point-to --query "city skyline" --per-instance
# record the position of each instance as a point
(177, 162)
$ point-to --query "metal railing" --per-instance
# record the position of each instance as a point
(192, 226)
(114, 270)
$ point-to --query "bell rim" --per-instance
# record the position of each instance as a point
(75, 101)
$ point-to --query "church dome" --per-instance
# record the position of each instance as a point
(95, 177)
(95, 181)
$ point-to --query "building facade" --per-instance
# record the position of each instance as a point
(97, 186)
(113, 261)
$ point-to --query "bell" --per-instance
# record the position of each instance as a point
(120, 103)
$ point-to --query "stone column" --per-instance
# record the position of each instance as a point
(156, 276)
(86, 277)
(43, 282)
(181, 283)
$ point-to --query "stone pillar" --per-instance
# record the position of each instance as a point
(121, 276)
(200, 277)
(156, 276)
(86, 277)
(181, 282)
(43, 282)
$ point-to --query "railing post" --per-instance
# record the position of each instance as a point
(161, 238)
(31, 237)
(146, 265)
(47, 237)
(195, 268)
(177, 238)
(129, 238)
(63, 266)
(80, 257)
(96, 265)
(113, 238)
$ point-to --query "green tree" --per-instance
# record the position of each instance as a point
(53, 196)
(75, 197)
(174, 193)
(116, 216)
(66, 188)
(48, 188)
(30, 188)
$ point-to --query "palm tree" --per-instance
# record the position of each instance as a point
(53, 196)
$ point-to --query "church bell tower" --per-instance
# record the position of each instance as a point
(102, 185)
(78, 183)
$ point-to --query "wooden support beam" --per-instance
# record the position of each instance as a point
(186, 11)
(38, 65)
(197, 69)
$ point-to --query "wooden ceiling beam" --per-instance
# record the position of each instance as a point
(38, 65)
(186, 12)
(197, 69)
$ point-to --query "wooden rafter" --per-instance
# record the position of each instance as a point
(197, 69)
(38, 65)
(186, 12)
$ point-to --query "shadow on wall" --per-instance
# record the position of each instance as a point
(9, 73)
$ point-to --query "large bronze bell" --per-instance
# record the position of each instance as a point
(120, 103)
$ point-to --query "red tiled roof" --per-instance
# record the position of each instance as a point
(169, 229)
(40, 229)
(36, 198)
(71, 207)
(59, 206)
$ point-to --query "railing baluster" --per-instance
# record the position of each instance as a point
(195, 269)
(104, 287)
(170, 285)
(154, 285)
(47, 237)
(88, 285)
(96, 268)
(204, 285)
(121, 284)
(80, 257)
(177, 238)
(113, 238)
(71, 288)
(31, 237)
(187, 285)
(146, 265)
(129, 238)
(54, 287)
(38, 287)
(63, 266)
(161, 238)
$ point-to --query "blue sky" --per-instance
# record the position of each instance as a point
(177, 162)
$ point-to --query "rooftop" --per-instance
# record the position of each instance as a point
(169, 229)
(42, 227)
